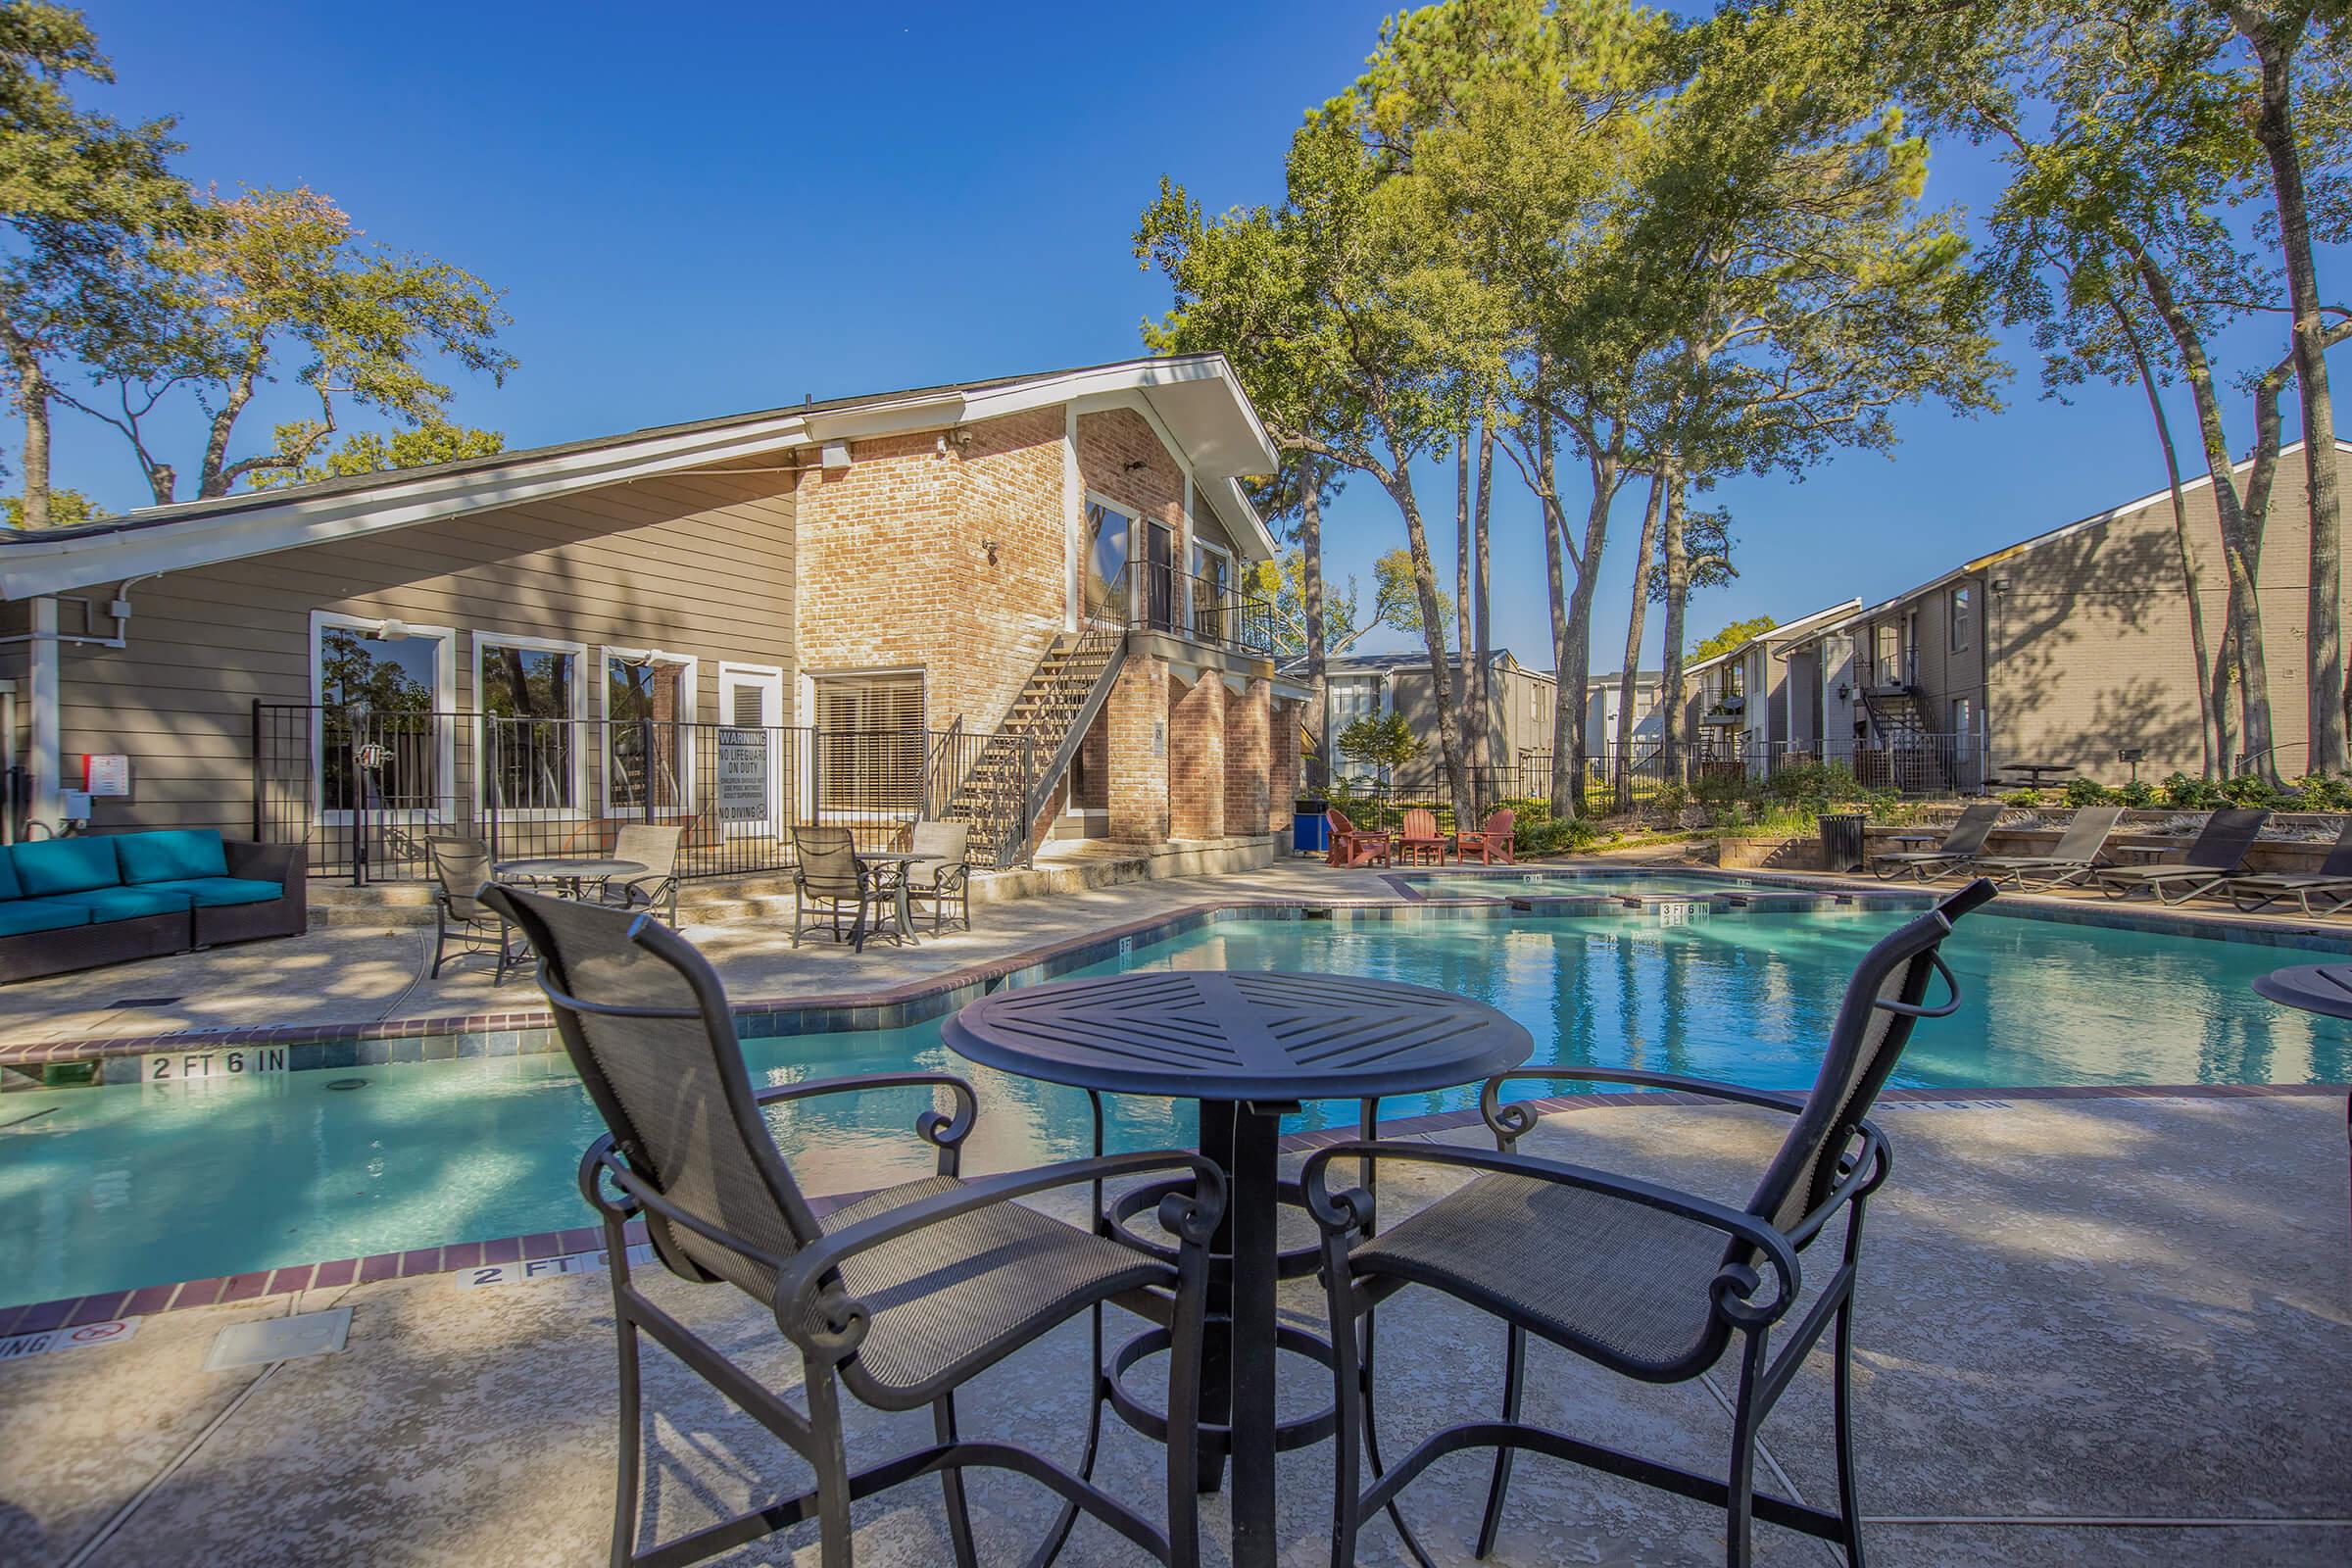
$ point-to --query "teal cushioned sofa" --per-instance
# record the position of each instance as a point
(77, 902)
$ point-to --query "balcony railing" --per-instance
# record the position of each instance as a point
(1179, 604)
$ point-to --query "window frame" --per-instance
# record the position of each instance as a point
(692, 686)
(1125, 611)
(1233, 586)
(445, 703)
(920, 674)
(481, 724)
(1959, 602)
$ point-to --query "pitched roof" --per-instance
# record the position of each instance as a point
(1786, 631)
(1393, 663)
(1195, 399)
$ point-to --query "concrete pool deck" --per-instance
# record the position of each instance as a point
(2092, 1329)
(342, 976)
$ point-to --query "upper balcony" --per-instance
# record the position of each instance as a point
(1177, 604)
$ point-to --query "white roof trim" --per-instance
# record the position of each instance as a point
(1788, 631)
(34, 566)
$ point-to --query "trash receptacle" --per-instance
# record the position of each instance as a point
(1841, 841)
(1310, 834)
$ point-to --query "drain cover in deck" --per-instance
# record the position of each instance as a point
(280, 1338)
(145, 1002)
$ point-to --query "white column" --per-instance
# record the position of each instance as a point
(1073, 520)
(41, 694)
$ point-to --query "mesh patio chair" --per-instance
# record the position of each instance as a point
(2332, 881)
(2073, 858)
(655, 849)
(829, 879)
(946, 884)
(2212, 857)
(1959, 847)
(461, 869)
(1650, 1282)
(900, 1297)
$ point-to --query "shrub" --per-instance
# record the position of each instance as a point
(2252, 792)
(2322, 792)
(2139, 795)
(2024, 798)
(1546, 836)
(1671, 802)
(2087, 792)
(2185, 793)
(1815, 784)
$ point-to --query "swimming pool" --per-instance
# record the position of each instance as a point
(1609, 883)
(108, 1188)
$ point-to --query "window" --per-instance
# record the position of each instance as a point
(1959, 618)
(387, 699)
(1212, 593)
(870, 742)
(531, 698)
(1961, 716)
(1109, 535)
(649, 731)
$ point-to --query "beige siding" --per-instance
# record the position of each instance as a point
(695, 565)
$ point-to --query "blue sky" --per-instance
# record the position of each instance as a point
(726, 208)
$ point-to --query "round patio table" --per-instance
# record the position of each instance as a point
(2322, 988)
(567, 871)
(1250, 1046)
(900, 861)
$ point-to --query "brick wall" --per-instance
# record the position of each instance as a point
(1197, 757)
(1136, 717)
(1282, 759)
(895, 567)
(1121, 459)
(1247, 755)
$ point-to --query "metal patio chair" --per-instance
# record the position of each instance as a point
(1960, 845)
(2332, 881)
(655, 848)
(461, 869)
(1637, 1277)
(946, 884)
(2212, 857)
(2073, 858)
(828, 879)
(900, 1297)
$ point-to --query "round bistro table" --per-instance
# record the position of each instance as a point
(568, 872)
(1250, 1046)
(899, 863)
(2322, 988)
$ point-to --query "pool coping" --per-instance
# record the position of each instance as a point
(531, 1031)
(457, 1257)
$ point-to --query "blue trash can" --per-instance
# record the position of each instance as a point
(1310, 833)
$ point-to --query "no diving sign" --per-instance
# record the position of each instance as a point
(113, 1331)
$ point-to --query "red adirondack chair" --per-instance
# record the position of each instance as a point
(1490, 843)
(1421, 837)
(1350, 844)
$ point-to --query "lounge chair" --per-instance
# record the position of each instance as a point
(655, 849)
(461, 869)
(1492, 841)
(1419, 836)
(1960, 845)
(2332, 881)
(1635, 1276)
(1352, 845)
(946, 884)
(2073, 858)
(2212, 857)
(828, 880)
(900, 1297)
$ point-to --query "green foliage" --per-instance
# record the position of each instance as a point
(1732, 636)
(2027, 798)
(2323, 791)
(67, 507)
(2257, 791)
(2138, 794)
(2087, 792)
(1547, 835)
(1383, 741)
(2185, 793)
(375, 452)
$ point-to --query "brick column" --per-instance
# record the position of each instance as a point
(1281, 760)
(1249, 791)
(1197, 758)
(1136, 719)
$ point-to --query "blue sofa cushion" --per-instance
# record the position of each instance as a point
(214, 892)
(175, 855)
(20, 915)
(9, 887)
(128, 903)
(47, 867)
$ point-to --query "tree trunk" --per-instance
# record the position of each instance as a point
(1461, 610)
(1479, 581)
(32, 397)
(1676, 765)
(1577, 669)
(2323, 647)
(2242, 543)
(1620, 768)
(1310, 586)
(1399, 485)
(2208, 729)
(1548, 512)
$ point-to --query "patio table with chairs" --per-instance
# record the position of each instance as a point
(904, 1294)
(879, 888)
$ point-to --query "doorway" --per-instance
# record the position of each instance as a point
(751, 760)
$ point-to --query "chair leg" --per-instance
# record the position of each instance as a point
(440, 939)
(830, 1459)
(951, 1486)
(1347, 1389)
(632, 1441)
(1050, 1548)
(1841, 1392)
(506, 950)
(1405, 1531)
(1515, 1383)
(1184, 1415)
(1739, 1506)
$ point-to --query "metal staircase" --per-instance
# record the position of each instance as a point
(1913, 756)
(1004, 793)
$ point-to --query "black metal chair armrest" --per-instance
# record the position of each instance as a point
(604, 1162)
(1511, 1121)
(1341, 1213)
(816, 1315)
(945, 1132)
(1863, 1171)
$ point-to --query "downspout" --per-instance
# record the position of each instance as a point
(42, 694)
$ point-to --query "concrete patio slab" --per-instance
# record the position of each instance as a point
(2094, 1309)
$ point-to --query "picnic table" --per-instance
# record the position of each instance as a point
(2033, 773)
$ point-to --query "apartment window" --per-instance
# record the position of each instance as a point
(386, 695)
(871, 741)
(649, 734)
(1959, 618)
(1212, 593)
(1961, 716)
(531, 697)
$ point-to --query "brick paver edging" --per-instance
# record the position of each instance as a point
(460, 1255)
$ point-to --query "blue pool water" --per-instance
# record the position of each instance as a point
(1582, 883)
(108, 1188)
